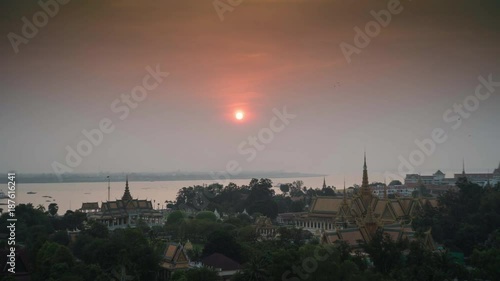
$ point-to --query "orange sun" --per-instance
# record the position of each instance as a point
(239, 115)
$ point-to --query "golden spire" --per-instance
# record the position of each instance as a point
(126, 194)
(344, 192)
(365, 174)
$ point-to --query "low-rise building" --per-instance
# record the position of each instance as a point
(439, 181)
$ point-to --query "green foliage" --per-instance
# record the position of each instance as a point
(97, 230)
(175, 217)
(53, 261)
(467, 222)
(124, 248)
(395, 182)
(297, 206)
(73, 220)
(61, 237)
(258, 197)
(53, 208)
(206, 215)
(486, 259)
(464, 219)
(285, 188)
(385, 253)
(255, 270)
(196, 274)
(224, 243)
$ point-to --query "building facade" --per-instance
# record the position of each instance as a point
(358, 217)
(438, 179)
(126, 212)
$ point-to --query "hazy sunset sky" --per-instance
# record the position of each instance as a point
(265, 54)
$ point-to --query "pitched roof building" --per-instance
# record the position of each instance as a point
(174, 258)
(357, 217)
(224, 266)
(124, 212)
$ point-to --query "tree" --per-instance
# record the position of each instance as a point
(267, 207)
(385, 253)
(97, 230)
(175, 217)
(285, 188)
(53, 260)
(223, 242)
(206, 215)
(40, 207)
(297, 206)
(60, 237)
(73, 220)
(196, 274)
(53, 208)
(255, 270)
(395, 182)
(327, 191)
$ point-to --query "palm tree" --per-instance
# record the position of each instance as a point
(255, 270)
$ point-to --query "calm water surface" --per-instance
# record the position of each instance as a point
(70, 196)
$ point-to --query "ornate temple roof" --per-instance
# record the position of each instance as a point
(174, 257)
(126, 194)
(90, 206)
(123, 207)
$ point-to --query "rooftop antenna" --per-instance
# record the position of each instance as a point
(344, 191)
(463, 166)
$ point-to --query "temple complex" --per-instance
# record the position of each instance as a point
(126, 212)
(359, 217)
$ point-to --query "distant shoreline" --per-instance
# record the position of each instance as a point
(135, 177)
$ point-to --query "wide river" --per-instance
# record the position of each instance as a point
(70, 196)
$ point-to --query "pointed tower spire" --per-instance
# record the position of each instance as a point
(366, 191)
(324, 182)
(345, 197)
(463, 166)
(365, 174)
(126, 194)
